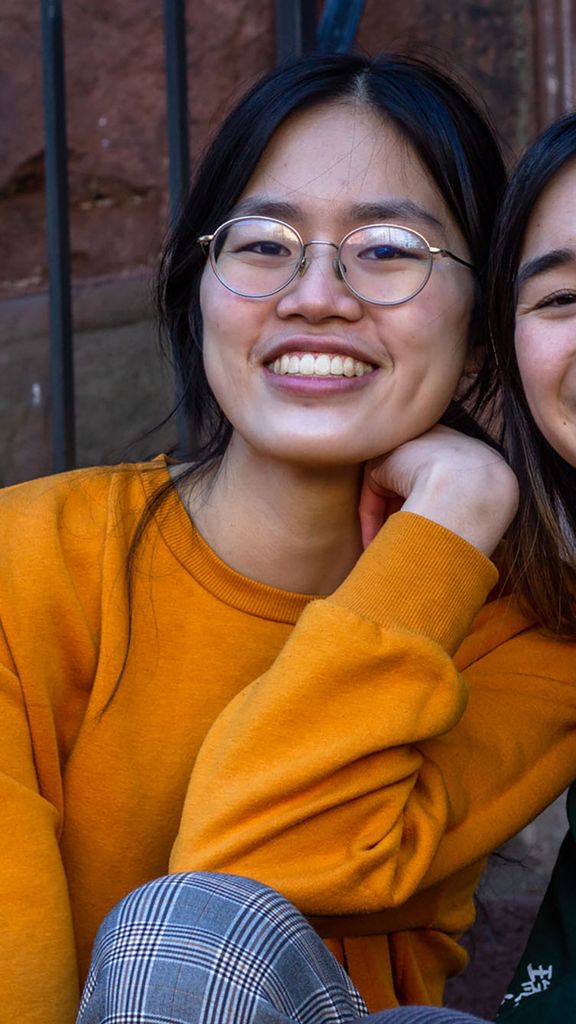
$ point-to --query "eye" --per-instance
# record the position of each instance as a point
(386, 253)
(381, 253)
(556, 300)
(264, 247)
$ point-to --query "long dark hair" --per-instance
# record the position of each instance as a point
(542, 540)
(432, 112)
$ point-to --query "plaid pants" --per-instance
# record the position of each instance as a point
(220, 949)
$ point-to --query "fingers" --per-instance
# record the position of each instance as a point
(376, 504)
(447, 477)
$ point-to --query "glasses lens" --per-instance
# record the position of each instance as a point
(384, 263)
(255, 255)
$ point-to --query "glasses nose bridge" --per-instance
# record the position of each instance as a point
(305, 261)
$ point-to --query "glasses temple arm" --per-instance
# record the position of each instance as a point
(446, 252)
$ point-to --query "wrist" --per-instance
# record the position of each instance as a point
(478, 507)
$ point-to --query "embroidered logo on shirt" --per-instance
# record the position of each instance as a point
(539, 979)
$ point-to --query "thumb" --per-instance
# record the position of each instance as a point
(375, 505)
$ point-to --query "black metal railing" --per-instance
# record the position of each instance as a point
(297, 32)
(58, 238)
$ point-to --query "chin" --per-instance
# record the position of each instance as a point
(318, 453)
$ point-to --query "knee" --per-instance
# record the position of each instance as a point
(170, 934)
(179, 937)
(198, 900)
(194, 910)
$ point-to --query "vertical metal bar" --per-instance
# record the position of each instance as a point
(178, 150)
(295, 28)
(553, 45)
(63, 430)
(177, 98)
(567, 44)
(338, 25)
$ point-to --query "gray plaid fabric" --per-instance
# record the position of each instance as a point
(220, 949)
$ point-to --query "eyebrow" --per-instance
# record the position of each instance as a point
(365, 213)
(540, 264)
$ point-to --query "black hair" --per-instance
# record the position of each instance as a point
(542, 540)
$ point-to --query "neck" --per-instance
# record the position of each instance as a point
(289, 526)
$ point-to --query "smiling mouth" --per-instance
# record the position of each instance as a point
(323, 365)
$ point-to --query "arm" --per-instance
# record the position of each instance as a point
(312, 779)
(350, 783)
(38, 979)
(348, 776)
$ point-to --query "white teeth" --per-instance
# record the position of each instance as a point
(324, 365)
(306, 365)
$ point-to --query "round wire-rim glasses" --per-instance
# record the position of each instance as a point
(381, 253)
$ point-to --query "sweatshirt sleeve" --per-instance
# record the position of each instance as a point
(312, 779)
(37, 949)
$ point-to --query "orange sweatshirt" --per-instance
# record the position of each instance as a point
(329, 747)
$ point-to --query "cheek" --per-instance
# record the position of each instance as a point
(220, 333)
(437, 329)
(538, 361)
(232, 324)
(216, 343)
(547, 364)
(232, 327)
(533, 373)
(213, 306)
(446, 312)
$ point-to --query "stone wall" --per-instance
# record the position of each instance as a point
(122, 385)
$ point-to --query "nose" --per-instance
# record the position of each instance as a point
(318, 292)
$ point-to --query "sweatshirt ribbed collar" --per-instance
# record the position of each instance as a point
(197, 558)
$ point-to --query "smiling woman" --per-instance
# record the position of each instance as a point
(202, 669)
(546, 314)
(533, 314)
(533, 328)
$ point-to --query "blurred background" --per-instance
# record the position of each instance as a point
(518, 55)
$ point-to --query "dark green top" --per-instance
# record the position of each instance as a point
(543, 989)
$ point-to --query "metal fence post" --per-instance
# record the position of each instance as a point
(62, 368)
(295, 28)
(178, 146)
(177, 103)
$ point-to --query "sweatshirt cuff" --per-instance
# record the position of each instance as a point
(419, 576)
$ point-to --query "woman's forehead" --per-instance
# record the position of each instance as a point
(552, 222)
(344, 157)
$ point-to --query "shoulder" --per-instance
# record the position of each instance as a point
(59, 515)
(80, 497)
(510, 648)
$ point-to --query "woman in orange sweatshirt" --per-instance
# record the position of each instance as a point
(200, 669)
